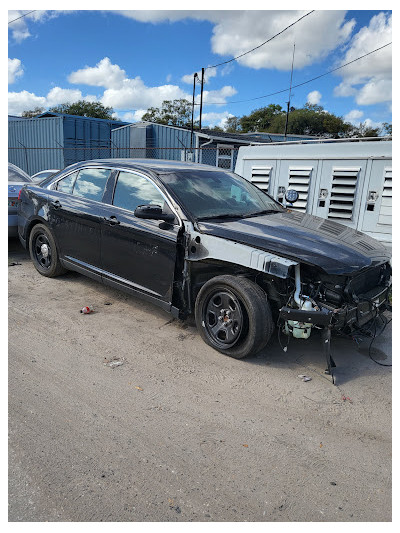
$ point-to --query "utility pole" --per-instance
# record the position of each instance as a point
(290, 93)
(194, 90)
(201, 94)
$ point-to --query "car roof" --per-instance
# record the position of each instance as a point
(159, 166)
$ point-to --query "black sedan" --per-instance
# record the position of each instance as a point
(197, 239)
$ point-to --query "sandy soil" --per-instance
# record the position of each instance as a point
(179, 432)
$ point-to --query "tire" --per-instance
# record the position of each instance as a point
(43, 252)
(233, 316)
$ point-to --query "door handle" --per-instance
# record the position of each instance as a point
(56, 204)
(112, 220)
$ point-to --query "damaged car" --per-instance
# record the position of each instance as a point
(196, 239)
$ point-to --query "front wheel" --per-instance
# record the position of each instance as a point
(43, 252)
(233, 316)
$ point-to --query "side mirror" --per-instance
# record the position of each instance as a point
(153, 212)
(291, 196)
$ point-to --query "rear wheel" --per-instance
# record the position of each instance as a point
(233, 316)
(43, 252)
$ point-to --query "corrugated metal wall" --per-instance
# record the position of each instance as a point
(153, 141)
(86, 138)
(58, 141)
(36, 144)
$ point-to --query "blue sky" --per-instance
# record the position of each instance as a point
(132, 60)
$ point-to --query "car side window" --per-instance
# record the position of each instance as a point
(66, 184)
(91, 183)
(132, 190)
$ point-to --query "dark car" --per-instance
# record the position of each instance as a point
(16, 179)
(197, 239)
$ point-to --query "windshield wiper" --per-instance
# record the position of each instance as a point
(265, 212)
(225, 215)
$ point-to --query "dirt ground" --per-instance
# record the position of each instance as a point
(179, 432)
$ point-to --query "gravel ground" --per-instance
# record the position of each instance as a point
(178, 432)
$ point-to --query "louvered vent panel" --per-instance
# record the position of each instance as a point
(385, 213)
(341, 201)
(299, 179)
(260, 176)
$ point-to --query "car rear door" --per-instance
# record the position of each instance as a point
(75, 214)
(138, 253)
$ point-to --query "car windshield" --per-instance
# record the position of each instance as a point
(208, 194)
(16, 175)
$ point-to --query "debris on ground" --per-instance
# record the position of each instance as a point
(138, 388)
(347, 399)
(14, 263)
(114, 362)
(304, 377)
(245, 445)
(87, 309)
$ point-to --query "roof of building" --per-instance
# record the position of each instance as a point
(49, 114)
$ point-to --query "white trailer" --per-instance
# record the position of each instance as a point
(349, 181)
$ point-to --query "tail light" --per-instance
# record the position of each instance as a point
(19, 196)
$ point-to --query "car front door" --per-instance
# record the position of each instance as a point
(75, 214)
(138, 253)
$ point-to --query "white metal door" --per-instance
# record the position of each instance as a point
(299, 175)
(377, 202)
(338, 194)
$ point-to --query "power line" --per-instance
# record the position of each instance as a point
(29, 12)
(299, 84)
(262, 44)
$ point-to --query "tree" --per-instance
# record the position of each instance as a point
(387, 128)
(232, 125)
(261, 119)
(33, 112)
(172, 113)
(85, 109)
(311, 120)
(365, 131)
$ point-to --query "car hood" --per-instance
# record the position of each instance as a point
(335, 248)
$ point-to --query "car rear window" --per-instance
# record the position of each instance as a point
(91, 183)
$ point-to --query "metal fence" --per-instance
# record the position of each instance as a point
(33, 160)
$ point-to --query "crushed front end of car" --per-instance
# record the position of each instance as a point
(334, 303)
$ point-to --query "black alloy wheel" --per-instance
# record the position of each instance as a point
(43, 252)
(233, 316)
(223, 318)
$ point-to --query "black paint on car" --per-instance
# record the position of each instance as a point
(196, 239)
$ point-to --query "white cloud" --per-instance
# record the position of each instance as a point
(19, 28)
(24, 101)
(236, 32)
(314, 97)
(354, 116)
(372, 124)
(135, 116)
(122, 92)
(104, 74)
(168, 78)
(215, 119)
(15, 70)
(369, 80)
(219, 95)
